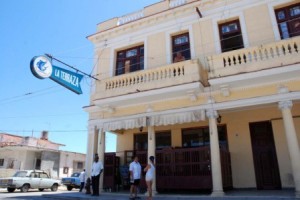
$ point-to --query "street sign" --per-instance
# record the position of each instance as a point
(41, 68)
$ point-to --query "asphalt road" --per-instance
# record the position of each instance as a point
(63, 194)
(31, 194)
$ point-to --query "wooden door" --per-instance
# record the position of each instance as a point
(264, 156)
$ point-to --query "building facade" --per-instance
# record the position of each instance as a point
(28, 153)
(211, 88)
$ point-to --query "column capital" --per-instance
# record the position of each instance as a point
(211, 113)
(285, 104)
(91, 129)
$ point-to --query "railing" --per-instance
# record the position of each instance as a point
(177, 168)
(140, 14)
(284, 52)
(169, 75)
(130, 17)
(175, 3)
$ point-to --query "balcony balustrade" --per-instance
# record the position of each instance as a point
(130, 17)
(170, 75)
(175, 3)
(143, 13)
(276, 54)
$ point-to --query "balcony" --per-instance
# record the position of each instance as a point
(253, 59)
(175, 74)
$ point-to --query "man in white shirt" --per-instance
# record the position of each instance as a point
(82, 180)
(135, 170)
(97, 169)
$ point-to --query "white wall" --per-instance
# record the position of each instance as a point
(70, 159)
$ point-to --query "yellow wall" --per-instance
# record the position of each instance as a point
(203, 39)
(104, 60)
(156, 50)
(257, 19)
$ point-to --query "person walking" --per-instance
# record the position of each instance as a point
(135, 170)
(82, 180)
(97, 169)
(150, 173)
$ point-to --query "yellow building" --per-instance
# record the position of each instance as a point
(211, 88)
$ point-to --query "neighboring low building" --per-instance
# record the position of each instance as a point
(25, 153)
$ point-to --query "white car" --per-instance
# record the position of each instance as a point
(29, 179)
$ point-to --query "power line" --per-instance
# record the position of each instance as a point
(38, 116)
(27, 94)
(77, 70)
(54, 131)
(26, 97)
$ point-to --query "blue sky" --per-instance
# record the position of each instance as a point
(59, 27)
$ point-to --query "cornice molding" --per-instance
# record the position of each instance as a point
(285, 104)
(242, 103)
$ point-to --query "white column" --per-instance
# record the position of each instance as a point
(292, 141)
(90, 151)
(216, 171)
(96, 143)
(151, 152)
(101, 153)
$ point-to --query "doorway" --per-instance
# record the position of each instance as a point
(264, 156)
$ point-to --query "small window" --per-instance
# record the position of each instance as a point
(130, 60)
(141, 142)
(231, 36)
(163, 139)
(44, 175)
(181, 47)
(131, 53)
(66, 170)
(34, 175)
(281, 15)
(38, 164)
(79, 165)
(1, 162)
(288, 19)
(197, 137)
(294, 11)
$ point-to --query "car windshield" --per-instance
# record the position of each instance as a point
(75, 175)
(20, 174)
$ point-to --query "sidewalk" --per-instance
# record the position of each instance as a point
(234, 194)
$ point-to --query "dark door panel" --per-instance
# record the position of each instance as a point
(264, 156)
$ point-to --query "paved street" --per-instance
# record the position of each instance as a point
(74, 194)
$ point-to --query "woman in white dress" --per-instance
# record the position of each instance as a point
(150, 169)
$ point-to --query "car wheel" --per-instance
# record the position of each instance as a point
(25, 188)
(11, 189)
(41, 189)
(54, 187)
(69, 188)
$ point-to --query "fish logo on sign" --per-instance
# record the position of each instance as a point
(41, 68)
